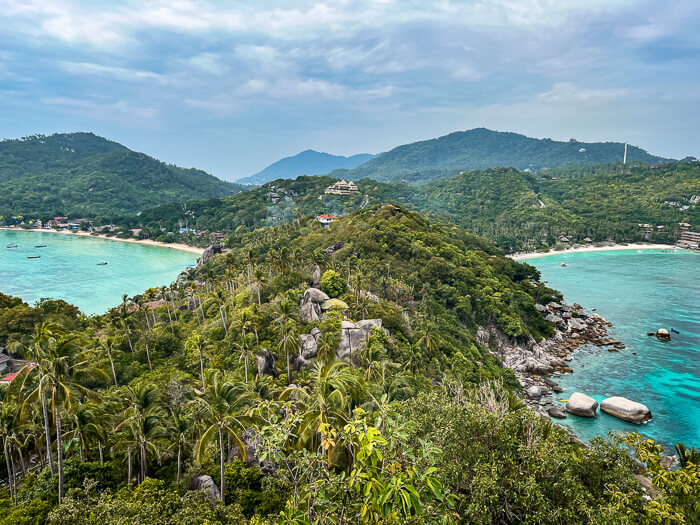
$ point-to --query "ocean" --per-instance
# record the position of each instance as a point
(68, 268)
(639, 292)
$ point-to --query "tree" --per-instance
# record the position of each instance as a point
(332, 283)
(222, 406)
(199, 346)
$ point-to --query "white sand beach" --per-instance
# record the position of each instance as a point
(580, 249)
(173, 246)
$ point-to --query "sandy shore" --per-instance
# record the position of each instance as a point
(581, 249)
(172, 246)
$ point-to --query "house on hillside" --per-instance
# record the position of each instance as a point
(587, 240)
(326, 219)
(342, 187)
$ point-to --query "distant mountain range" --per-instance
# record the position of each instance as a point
(83, 174)
(480, 149)
(307, 162)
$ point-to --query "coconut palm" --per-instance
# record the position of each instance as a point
(289, 344)
(246, 346)
(222, 407)
(180, 429)
(8, 423)
(327, 346)
(143, 424)
(199, 346)
(334, 391)
(220, 297)
(86, 429)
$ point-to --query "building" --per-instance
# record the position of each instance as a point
(342, 187)
(326, 219)
(684, 226)
(688, 239)
(4, 362)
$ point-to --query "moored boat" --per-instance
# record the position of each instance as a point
(11, 246)
(101, 263)
(40, 246)
(34, 257)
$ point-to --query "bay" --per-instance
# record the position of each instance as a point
(639, 292)
(68, 268)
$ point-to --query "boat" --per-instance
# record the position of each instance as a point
(563, 265)
(101, 263)
(34, 257)
(675, 331)
(40, 246)
(11, 246)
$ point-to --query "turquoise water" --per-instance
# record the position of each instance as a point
(638, 292)
(68, 268)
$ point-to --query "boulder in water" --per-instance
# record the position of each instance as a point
(581, 405)
(663, 334)
(625, 409)
(557, 412)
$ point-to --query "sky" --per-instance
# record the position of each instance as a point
(230, 87)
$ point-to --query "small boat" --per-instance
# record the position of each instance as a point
(40, 246)
(101, 263)
(34, 257)
(675, 331)
(563, 265)
(11, 246)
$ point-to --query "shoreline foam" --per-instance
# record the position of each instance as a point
(586, 249)
(146, 242)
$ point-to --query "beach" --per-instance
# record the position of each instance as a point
(148, 242)
(584, 249)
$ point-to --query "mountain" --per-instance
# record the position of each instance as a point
(81, 174)
(480, 149)
(307, 162)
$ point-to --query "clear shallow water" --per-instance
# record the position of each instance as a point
(68, 268)
(638, 292)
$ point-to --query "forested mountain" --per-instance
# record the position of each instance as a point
(522, 211)
(231, 386)
(518, 210)
(480, 149)
(307, 162)
(81, 174)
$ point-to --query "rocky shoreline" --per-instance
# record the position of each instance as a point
(534, 362)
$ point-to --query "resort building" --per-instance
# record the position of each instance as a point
(689, 239)
(342, 187)
(326, 219)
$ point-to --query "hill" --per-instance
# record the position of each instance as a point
(526, 211)
(388, 406)
(307, 162)
(81, 174)
(480, 149)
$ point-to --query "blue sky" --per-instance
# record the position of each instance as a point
(230, 87)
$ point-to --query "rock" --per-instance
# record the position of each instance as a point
(352, 340)
(581, 405)
(266, 363)
(663, 334)
(310, 306)
(646, 484)
(208, 253)
(309, 347)
(541, 308)
(575, 325)
(334, 248)
(316, 278)
(625, 409)
(667, 462)
(557, 412)
(206, 484)
(533, 392)
(314, 295)
(483, 335)
(366, 326)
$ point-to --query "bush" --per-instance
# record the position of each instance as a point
(256, 493)
(332, 283)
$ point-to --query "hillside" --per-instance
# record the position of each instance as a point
(385, 408)
(307, 162)
(81, 174)
(480, 149)
(525, 211)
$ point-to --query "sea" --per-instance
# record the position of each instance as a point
(68, 268)
(638, 291)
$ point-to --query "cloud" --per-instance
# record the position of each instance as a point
(568, 93)
(118, 110)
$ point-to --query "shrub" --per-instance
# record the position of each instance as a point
(332, 283)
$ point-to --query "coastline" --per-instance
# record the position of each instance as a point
(584, 249)
(148, 242)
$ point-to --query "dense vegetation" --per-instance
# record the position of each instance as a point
(518, 210)
(83, 175)
(421, 425)
(308, 162)
(480, 149)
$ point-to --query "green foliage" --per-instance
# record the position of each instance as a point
(480, 149)
(33, 513)
(42, 177)
(332, 283)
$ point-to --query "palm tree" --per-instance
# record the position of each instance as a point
(106, 344)
(246, 346)
(333, 393)
(258, 283)
(143, 422)
(8, 422)
(222, 406)
(327, 346)
(180, 429)
(85, 419)
(165, 291)
(124, 315)
(429, 338)
(220, 297)
(289, 343)
(199, 346)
